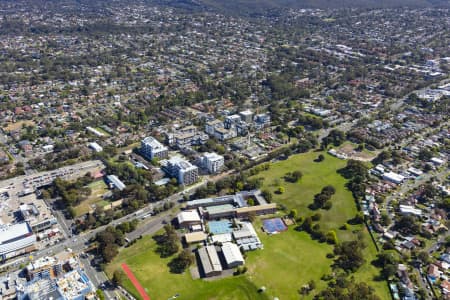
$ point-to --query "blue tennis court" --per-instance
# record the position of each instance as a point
(275, 225)
(219, 227)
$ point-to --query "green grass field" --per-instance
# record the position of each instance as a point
(299, 195)
(154, 276)
(316, 175)
(288, 261)
(98, 189)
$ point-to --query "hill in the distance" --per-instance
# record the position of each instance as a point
(248, 6)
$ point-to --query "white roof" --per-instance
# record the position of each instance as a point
(221, 238)
(10, 232)
(96, 146)
(212, 156)
(408, 209)
(246, 112)
(153, 143)
(415, 171)
(188, 216)
(437, 160)
(393, 177)
(231, 253)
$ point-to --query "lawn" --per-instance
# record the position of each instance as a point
(98, 189)
(299, 195)
(316, 175)
(154, 276)
(288, 261)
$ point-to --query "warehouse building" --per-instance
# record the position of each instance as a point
(232, 254)
(188, 218)
(210, 261)
(96, 147)
(393, 177)
(116, 182)
(243, 212)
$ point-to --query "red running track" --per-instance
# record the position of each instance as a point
(135, 282)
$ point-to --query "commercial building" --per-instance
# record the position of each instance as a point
(232, 254)
(195, 237)
(437, 161)
(262, 120)
(75, 285)
(231, 121)
(246, 237)
(95, 132)
(246, 116)
(36, 213)
(393, 177)
(96, 147)
(47, 265)
(186, 137)
(210, 261)
(216, 129)
(182, 170)
(218, 211)
(15, 240)
(231, 206)
(410, 210)
(40, 288)
(188, 218)
(264, 209)
(237, 200)
(115, 182)
(152, 148)
(212, 162)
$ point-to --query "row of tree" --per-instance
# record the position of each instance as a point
(112, 238)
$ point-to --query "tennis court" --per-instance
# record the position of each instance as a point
(219, 227)
(273, 226)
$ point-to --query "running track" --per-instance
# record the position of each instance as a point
(135, 282)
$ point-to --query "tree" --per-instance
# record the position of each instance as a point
(293, 213)
(425, 154)
(350, 256)
(328, 205)
(329, 190)
(100, 294)
(316, 217)
(407, 225)
(297, 175)
(348, 289)
(167, 242)
(118, 277)
(267, 195)
(331, 237)
(311, 284)
(320, 158)
(109, 252)
(424, 257)
(385, 220)
(280, 190)
(307, 224)
(181, 262)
